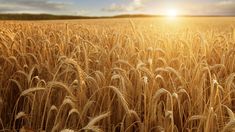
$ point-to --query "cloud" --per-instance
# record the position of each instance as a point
(134, 5)
(225, 2)
(192, 7)
(224, 7)
(42, 6)
(81, 12)
(217, 7)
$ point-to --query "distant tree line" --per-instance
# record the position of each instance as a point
(60, 17)
(40, 17)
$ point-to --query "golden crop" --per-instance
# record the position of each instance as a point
(144, 74)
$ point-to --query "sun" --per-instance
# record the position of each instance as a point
(171, 12)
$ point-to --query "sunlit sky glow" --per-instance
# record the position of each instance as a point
(115, 7)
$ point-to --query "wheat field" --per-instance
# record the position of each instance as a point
(118, 75)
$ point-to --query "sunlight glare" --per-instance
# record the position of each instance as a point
(171, 12)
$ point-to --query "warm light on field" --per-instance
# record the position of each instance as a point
(118, 75)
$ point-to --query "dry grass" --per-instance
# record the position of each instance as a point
(118, 75)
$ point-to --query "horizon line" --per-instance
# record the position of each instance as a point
(48, 16)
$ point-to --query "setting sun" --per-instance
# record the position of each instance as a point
(171, 12)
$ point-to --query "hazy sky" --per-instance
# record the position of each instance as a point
(114, 7)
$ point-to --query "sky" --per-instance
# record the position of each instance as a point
(116, 7)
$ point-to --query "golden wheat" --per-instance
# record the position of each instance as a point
(143, 74)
